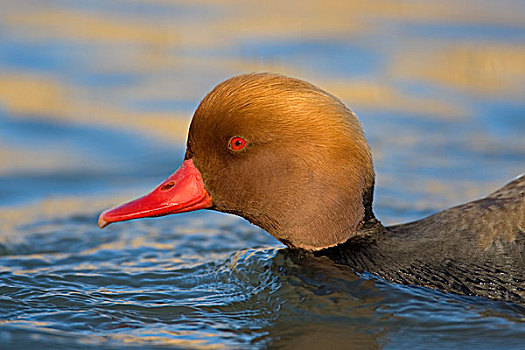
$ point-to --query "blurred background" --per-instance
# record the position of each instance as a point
(95, 100)
(96, 96)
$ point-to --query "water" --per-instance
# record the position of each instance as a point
(95, 99)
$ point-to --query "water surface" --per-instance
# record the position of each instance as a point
(95, 99)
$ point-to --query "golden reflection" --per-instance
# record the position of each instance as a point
(25, 323)
(33, 96)
(148, 336)
(372, 94)
(182, 339)
(86, 26)
(250, 19)
(484, 69)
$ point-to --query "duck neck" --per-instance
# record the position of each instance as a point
(362, 248)
(368, 198)
(364, 251)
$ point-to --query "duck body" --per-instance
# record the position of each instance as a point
(477, 248)
(293, 159)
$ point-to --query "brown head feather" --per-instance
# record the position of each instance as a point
(306, 167)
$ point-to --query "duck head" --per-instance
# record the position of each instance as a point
(280, 152)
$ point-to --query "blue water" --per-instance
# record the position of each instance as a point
(85, 93)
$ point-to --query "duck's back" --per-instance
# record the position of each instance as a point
(474, 248)
(477, 248)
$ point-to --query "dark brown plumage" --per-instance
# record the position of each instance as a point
(306, 176)
(477, 248)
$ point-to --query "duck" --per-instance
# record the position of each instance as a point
(293, 159)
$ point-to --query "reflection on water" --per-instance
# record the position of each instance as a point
(95, 99)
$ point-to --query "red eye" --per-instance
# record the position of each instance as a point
(237, 143)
